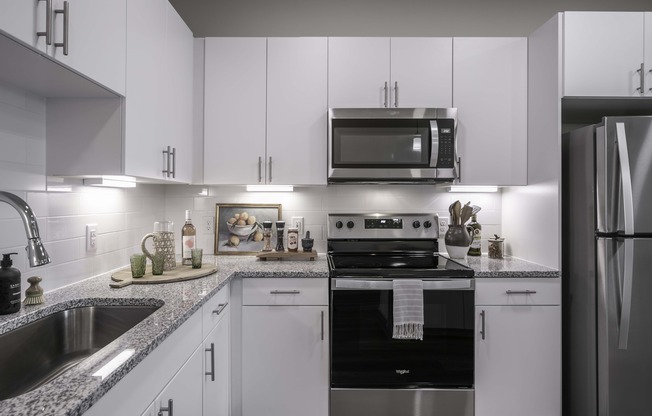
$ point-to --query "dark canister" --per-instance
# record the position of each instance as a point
(10, 292)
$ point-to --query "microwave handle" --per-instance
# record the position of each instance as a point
(434, 143)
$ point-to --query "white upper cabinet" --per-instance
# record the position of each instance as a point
(94, 34)
(389, 72)
(234, 110)
(297, 112)
(265, 111)
(23, 19)
(603, 53)
(490, 94)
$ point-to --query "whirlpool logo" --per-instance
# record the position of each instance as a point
(401, 372)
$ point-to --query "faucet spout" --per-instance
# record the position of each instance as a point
(35, 250)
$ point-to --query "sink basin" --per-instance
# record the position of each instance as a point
(36, 353)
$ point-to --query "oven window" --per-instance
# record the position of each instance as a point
(364, 354)
(381, 143)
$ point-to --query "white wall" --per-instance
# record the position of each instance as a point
(315, 203)
(123, 216)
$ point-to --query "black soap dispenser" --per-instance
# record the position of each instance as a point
(9, 286)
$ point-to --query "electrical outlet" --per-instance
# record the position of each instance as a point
(208, 224)
(297, 222)
(91, 237)
(443, 225)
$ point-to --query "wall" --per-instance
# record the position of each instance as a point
(123, 216)
(315, 203)
(380, 17)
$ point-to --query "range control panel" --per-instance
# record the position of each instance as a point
(372, 226)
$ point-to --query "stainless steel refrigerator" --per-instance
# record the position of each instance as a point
(607, 268)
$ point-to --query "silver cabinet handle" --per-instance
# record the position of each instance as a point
(220, 308)
(482, 327)
(66, 26)
(459, 170)
(269, 179)
(167, 153)
(212, 351)
(520, 292)
(322, 325)
(48, 23)
(260, 169)
(174, 162)
(284, 292)
(386, 90)
(167, 409)
(641, 75)
(650, 71)
(395, 93)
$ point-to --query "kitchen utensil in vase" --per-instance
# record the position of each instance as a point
(467, 211)
(163, 238)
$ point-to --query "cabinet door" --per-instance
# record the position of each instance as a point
(217, 389)
(144, 125)
(297, 110)
(358, 72)
(185, 389)
(648, 54)
(602, 52)
(97, 36)
(518, 363)
(285, 360)
(235, 110)
(490, 93)
(178, 87)
(422, 72)
(22, 19)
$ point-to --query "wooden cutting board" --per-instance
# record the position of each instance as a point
(123, 278)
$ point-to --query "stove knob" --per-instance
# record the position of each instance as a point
(339, 225)
(427, 224)
(416, 224)
(350, 224)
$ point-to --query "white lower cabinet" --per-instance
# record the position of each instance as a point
(518, 347)
(217, 375)
(285, 347)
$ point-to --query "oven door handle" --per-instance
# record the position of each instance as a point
(350, 284)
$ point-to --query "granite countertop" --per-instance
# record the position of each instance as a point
(511, 267)
(76, 390)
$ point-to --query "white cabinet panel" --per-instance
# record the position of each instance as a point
(285, 360)
(422, 71)
(234, 110)
(518, 362)
(358, 72)
(297, 108)
(217, 389)
(602, 52)
(490, 93)
(295, 291)
(22, 19)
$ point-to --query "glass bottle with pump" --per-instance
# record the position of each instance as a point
(475, 248)
(188, 240)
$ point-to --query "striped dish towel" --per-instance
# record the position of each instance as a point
(408, 309)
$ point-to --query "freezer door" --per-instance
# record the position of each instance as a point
(624, 175)
(624, 327)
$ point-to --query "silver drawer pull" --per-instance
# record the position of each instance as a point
(285, 292)
(521, 292)
(220, 308)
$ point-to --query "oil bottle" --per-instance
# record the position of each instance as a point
(9, 286)
(475, 248)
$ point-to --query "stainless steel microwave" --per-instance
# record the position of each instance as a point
(392, 145)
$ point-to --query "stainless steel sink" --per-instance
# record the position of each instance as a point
(36, 353)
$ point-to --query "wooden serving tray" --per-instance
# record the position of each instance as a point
(123, 278)
(287, 255)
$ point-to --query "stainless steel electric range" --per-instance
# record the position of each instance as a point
(372, 373)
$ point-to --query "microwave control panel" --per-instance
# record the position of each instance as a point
(446, 154)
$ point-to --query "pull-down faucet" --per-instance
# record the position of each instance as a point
(35, 250)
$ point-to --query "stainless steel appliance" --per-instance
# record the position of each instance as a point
(372, 373)
(392, 145)
(606, 265)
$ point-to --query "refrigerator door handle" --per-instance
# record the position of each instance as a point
(626, 178)
(626, 305)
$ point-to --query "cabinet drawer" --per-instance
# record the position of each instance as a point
(288, 291)
(215, 309)
(518, 291)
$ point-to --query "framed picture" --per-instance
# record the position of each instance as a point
(239, 227)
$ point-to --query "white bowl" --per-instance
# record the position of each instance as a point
(455, 252)
(241, 230)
